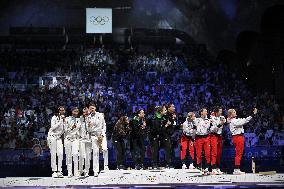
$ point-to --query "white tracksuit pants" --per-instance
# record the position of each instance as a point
(105, 151)
(56, 150)
(85, 155)
(96, 153)
(72, 151)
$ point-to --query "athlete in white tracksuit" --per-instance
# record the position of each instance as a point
(85, 143)
(97, 129)
(216, 143)
(71, 142)
(58, 125)
(237, 130)
(104, 144)
(202, 139)
(187, 139)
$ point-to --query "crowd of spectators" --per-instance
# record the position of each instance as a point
(147, 79)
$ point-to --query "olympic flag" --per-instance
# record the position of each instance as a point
(98, 20)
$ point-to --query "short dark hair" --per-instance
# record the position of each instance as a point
(201, 110)
(169, 105)
(92, 104)
(216, 109)
(159, 108)
(59, 107)
(74, 108)
(138, 111)
(122, 119)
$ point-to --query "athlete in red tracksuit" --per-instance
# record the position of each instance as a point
(187, 140)
(217, 122)
(237, 130)
(202, 139)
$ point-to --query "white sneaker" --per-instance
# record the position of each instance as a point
(214, 172)
(96, 174)
(184, 166)
(191, 166)
(70, 175)
(86, 174)
(106, 168)
(219, 171)
(200, 170)
(206, 171)
(238, 172)
(54, 175)
(60, 175)
(77, 174)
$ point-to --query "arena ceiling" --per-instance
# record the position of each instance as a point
(216, 23)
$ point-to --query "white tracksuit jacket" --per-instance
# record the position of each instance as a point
(187, 128)
(202, 126)
(216, 126)
(236, 125)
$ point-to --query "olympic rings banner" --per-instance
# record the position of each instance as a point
(98, 20)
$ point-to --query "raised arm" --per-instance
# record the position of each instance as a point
(239, 122)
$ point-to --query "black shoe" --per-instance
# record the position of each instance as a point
(167, 166)
(121, 167)
(198, 167)
(155, 166)
(137, 167)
